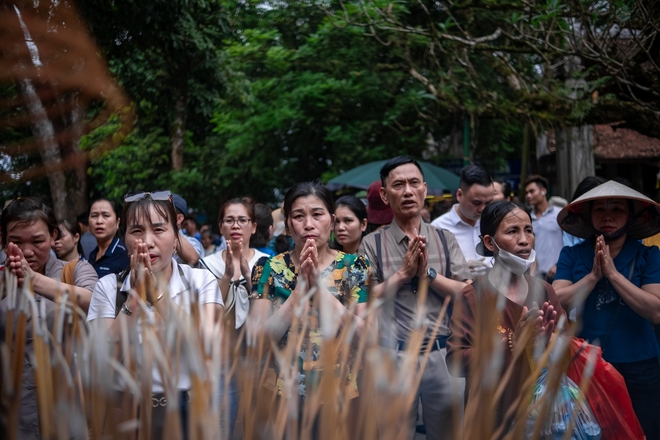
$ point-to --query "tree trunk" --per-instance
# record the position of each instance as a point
(178, 133)
(44, 133)
(78, 197)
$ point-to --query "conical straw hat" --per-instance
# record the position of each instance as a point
(575, 218)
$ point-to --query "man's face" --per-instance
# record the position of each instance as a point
(474, 200)
(404, 191)
(534, 194)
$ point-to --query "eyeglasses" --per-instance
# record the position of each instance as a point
(242, 221)
(153, 195)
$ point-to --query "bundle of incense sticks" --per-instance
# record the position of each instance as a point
(91, 385)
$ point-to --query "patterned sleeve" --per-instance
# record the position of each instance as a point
(358, 278)
(261, 275)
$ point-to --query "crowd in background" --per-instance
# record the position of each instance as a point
(259, 259)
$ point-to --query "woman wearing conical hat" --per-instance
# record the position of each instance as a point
(614, 282)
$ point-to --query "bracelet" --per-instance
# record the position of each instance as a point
(125, 309)
(509, 338)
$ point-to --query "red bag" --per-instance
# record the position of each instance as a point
(607, 394)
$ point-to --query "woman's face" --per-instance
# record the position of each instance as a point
(514, 234)
(66, 244)
(310, 219)
(609, 215)
(103, 222)
(236, 224)
(207, 241)
(499, 194)
(348, 229)
(157, 233)
(34, 240)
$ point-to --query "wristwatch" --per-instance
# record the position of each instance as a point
(126, 310)
(431, 274)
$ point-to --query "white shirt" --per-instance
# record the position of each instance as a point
(216, 265)
(200, 281)
(549, 238)
(466, 235)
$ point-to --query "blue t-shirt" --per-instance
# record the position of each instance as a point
(624, 335)
(114, 260)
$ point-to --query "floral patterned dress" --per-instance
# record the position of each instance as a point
(347, 278)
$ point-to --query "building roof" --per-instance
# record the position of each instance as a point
(612, 143)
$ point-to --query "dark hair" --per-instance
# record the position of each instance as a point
(587, 184)
(264, 219)
(83, 218)
(540, 181)
(474, 175)
(357, 207)
(115, 207)
(395, 163)
(306, 189)
(245, 201)
(27, 210)
(494, 212)
(73, 228)
(506, 187)
(140, 209)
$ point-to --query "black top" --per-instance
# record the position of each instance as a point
(115, 259)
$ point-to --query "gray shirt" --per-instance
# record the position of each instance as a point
(88, 243)
(85, 277)
(394, 244)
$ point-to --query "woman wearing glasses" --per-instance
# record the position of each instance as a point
(151, 237)
(233, 269)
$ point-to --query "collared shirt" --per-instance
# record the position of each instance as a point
(549, 238)
(467, 236)
(394, 244)
(114, 260)
(199, 282)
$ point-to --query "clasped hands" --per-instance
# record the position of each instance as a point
(543, 320)
(230, 269)
(416, 258)
(18, 264)
(141, 269)
(603, 263)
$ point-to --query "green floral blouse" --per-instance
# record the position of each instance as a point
(347, 278)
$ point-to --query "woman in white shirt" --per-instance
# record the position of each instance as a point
(151, 238)
(233, 269)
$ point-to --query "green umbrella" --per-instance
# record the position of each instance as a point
(438, 180)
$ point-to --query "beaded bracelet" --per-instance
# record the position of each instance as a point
(509, 338)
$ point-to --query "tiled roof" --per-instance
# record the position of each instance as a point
(611, 143)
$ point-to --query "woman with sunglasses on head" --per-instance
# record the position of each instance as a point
(110, 255)
(67, 247)
(278, 283)
(152, 236)
(29, 231)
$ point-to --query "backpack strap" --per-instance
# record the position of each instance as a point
(443, 239)
(379, 254)
(122, 296)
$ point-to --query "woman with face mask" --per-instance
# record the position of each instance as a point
(613, 281)
(507, 235)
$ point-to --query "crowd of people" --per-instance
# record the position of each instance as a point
(584, 260)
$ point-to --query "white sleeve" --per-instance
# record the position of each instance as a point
(206, 285)
(104, 298)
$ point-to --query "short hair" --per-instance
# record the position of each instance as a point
(113, 205)
(264, 220)
(540, 181)
(27, 210)
(494, 213)
(474, 175)
(306, 189)
(396, 162)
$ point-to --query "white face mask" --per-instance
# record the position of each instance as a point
(514, 263)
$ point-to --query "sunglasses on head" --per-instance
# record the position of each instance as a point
(153, 195)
